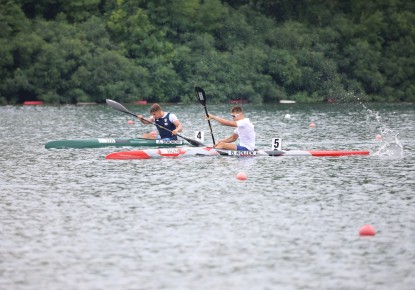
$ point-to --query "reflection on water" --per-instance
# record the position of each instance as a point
(70, 219)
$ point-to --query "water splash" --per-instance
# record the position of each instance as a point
(390, 145)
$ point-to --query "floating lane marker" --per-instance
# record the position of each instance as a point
(241, 176)
(367, 230)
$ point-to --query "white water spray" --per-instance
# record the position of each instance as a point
(390, 145)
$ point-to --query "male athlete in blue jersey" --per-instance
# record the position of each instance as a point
(164, 120)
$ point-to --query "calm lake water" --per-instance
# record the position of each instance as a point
(70, 219)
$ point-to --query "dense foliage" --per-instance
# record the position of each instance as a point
(62, 51)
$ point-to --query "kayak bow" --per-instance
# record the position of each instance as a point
(163, 152)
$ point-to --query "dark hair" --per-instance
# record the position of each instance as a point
(155, 108)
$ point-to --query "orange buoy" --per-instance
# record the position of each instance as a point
(367, 230)
(378, 137)
(241, 176)
(130, 122)
(312, 125)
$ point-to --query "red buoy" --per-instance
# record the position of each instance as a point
(367, 230)
(32, 103)
(241, 176)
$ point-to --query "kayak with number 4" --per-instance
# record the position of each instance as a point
(208, 151)
(110, 142)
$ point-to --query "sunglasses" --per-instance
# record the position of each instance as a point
(233, 116)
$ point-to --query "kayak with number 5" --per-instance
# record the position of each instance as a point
(209, 151)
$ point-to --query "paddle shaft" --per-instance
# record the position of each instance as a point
(210, 126)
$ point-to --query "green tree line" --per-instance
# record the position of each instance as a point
(61, 52)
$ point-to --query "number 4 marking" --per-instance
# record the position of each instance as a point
(200, 135)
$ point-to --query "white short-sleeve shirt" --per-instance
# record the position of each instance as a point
(245, 130)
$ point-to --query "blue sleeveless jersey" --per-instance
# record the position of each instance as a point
(165, 122)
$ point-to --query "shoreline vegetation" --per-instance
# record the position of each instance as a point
(141, 52)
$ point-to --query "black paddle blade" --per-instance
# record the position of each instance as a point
(200, 93)
(119, 107)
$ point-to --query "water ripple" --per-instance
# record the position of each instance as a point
(71, 219)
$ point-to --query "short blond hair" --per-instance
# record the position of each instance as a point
(236, 109)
